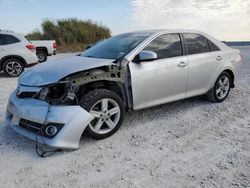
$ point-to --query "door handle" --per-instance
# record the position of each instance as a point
(219, 58)
(182, 64)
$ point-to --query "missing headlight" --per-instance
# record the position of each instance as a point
(58, 90)
(43, 93)
(59, 93)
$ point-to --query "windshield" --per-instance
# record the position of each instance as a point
(115, 47)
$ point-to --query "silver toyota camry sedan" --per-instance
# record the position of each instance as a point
(55, 102)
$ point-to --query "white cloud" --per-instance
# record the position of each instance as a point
(225, 19)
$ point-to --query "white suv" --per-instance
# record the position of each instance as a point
(16, 53)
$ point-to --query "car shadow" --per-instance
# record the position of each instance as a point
(2, 75)
(163, 111)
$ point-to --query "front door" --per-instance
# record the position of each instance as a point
(162, 80)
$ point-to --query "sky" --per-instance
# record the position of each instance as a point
(227, 20)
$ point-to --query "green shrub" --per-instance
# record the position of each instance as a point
(71, 34)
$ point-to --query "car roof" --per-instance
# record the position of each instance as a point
(10, 33)
(165, 31)
(158, 31)
(20, 36)
(6, 31)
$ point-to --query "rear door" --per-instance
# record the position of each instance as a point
(205, 61)
(3, 47)
(162, 80)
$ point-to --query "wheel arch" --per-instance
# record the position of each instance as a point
(105, 84)
(42, 48)
(10, 57)
(230, 72)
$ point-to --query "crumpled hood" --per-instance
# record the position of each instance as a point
(52, 71)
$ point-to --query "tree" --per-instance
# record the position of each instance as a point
(71, 34)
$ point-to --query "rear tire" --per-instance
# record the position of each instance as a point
(42, 56)
(221, 88)
(13, 67)
(108, 109)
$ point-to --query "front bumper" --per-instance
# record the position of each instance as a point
(74, 119)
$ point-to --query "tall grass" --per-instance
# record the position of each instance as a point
(70, 34)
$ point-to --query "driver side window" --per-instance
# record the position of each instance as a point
(166, 46)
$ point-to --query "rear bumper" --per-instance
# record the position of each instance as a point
(73, 118)
(52, 53)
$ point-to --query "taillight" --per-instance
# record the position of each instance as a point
(54, 45)
(31, 47)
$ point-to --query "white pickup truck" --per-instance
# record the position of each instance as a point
(44, 48)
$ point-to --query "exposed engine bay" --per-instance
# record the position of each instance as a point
(70, 89)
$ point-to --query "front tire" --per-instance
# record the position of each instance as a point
(108, 109)
(13, 67)
(221, 88)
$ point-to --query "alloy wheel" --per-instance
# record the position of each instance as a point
(14, 68)
(107, 115)
(222, 87)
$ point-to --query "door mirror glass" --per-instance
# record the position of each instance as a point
(146, 56)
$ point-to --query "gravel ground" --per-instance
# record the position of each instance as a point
(190, 143)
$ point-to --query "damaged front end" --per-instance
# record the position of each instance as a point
(69, 90)
(51, 113)
(58, 126)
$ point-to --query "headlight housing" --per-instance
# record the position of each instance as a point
(43, 93)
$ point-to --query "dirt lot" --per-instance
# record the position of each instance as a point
(190, 143)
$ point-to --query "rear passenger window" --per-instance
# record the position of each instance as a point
(213, 47)
(196, 43)
(165, 46)
(1, 40)
(9, 39)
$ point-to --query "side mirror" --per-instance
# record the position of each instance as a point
(146, 56)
